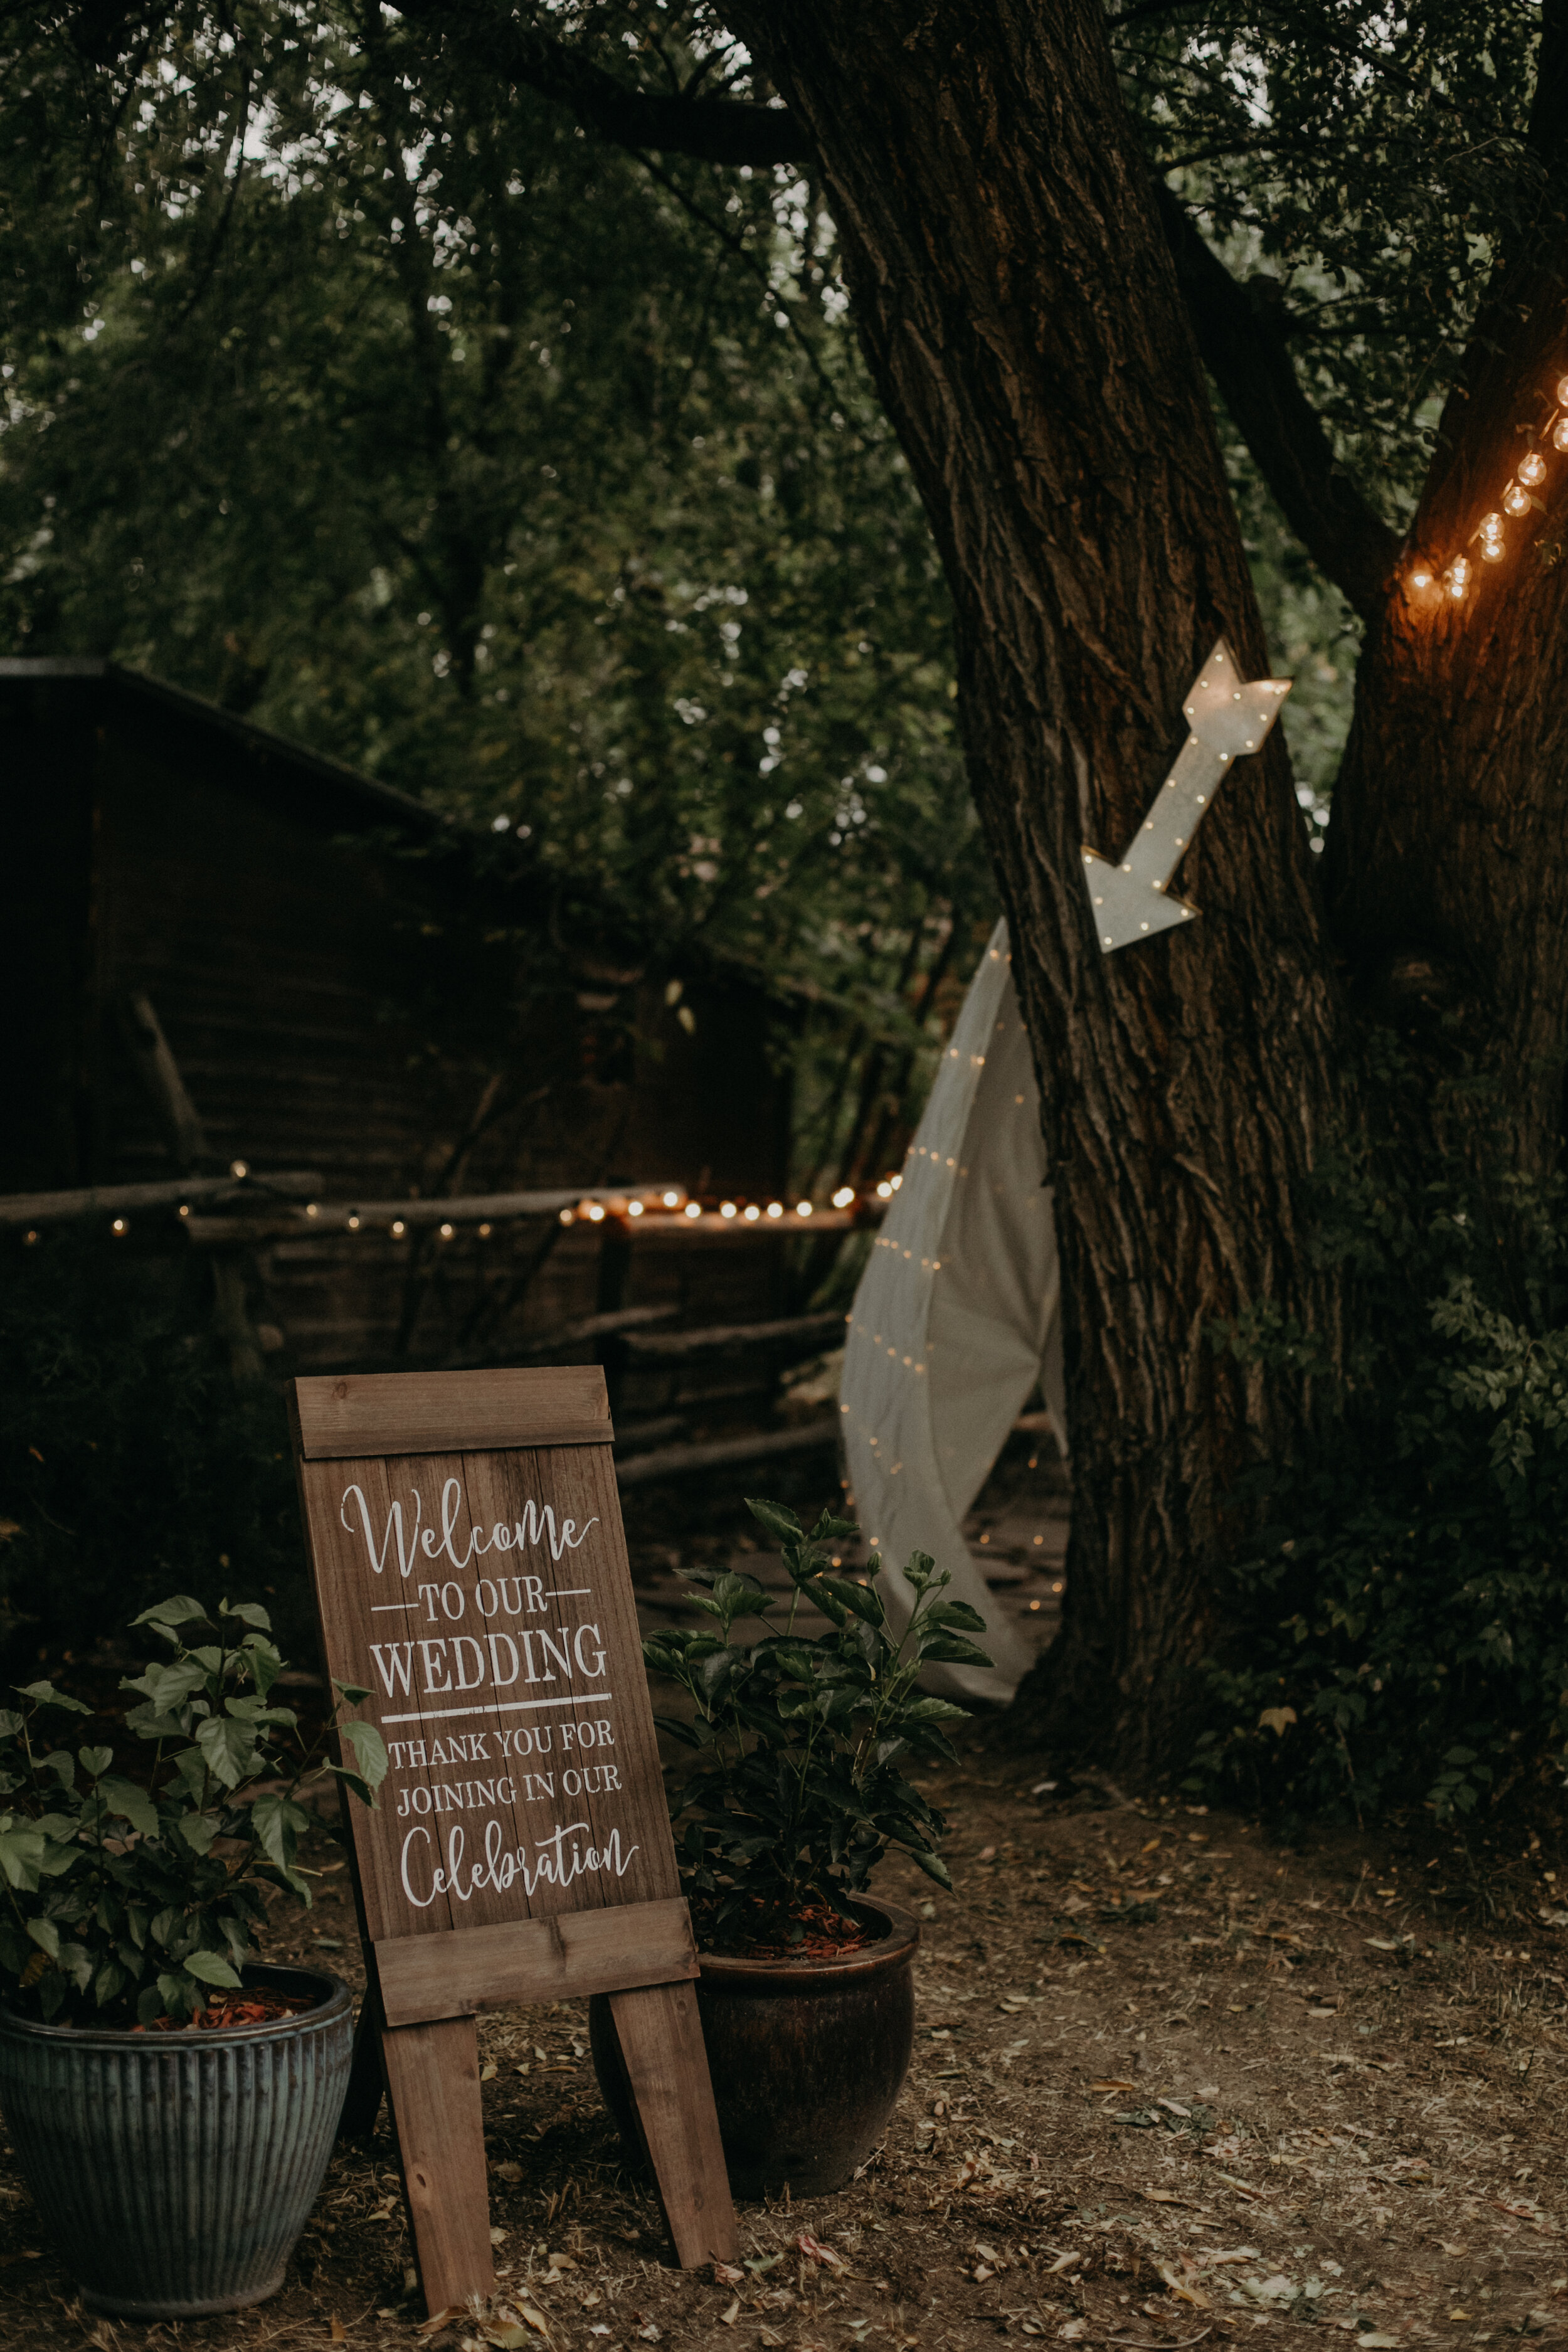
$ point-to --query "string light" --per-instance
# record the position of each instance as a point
(121, 1226)
(634, 1208)
(1517, 498)
(753, 1212)
(692, 1210)
(803, 1208)
(845, 1194)
(671, 1200)
(775, 1208)
(399, 1228)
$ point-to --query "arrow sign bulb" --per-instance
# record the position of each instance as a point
(1227, 716)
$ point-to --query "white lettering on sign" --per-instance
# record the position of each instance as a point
(557, 1864)
(534, 1528)
(452, 1662)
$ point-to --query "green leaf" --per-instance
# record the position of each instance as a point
(250, 1612)
(952, 1649)
(228, 1748)
(863, 1600)
(198, 1831)
(47, 1936)
(129, 1803)
(932, 1864)
(276, 1822)
(777, 1518)
(211, 1969)
(22, 1853)
(351, 1693)
(366, 1746)
(95, 1760)
(180, 1610)
(46, 1695)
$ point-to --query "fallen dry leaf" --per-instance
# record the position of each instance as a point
(729, 2275)
(339, 2334)
(506, 2171)
(728, 2318)
(815, 2251)
(1116, 2083)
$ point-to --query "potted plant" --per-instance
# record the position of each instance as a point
(172, 2103)
(806, 1990)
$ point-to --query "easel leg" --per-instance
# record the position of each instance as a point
(432, 2088)
(666, 2066)
(362, 2100)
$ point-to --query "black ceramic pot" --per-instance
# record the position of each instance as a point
(174, 2171)
(806, 2056)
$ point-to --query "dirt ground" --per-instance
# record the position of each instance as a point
(1171, 2084)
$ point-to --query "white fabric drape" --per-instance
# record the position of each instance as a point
(956, 1318)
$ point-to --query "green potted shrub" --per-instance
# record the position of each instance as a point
(806, 1990)
(173, 2101)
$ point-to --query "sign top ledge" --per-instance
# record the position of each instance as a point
(352, 1415)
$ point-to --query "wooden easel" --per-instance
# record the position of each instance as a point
(471, 1569)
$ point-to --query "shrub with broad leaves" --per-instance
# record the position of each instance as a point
(799, 1792)
(128, 1899)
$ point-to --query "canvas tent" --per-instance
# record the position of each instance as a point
(956, 1317)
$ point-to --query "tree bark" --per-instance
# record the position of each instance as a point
(1017, 301)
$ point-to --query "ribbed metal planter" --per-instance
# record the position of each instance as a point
(174, 2171)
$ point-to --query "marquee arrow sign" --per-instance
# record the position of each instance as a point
(1227, 718)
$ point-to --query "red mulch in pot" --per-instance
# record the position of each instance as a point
(237, 2008)
(828, 1937)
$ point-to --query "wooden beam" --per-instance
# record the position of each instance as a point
(771, 1445)
(458, 1971)
(432, 2089)
(661, 2036)
(161, 1080)
(367, 1413)
(109, 1200)
(804, 1335)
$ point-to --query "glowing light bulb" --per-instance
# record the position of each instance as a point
(1562, 392)
(1421, 580)
(634, 1208)
(803, 1208)
(1490, 525)
(671, 1199)
(692, 1209)
(884, 1191)
(566, 1219)
(1560, 434)
(726, 1208)
(751, 1213)
(775, 1208)
(1515, 498)
(1532, 468)
(448, 1231)
(845, 1194)
(1492, 550)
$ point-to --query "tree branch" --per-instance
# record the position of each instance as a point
(1247, 353)
(713, 130)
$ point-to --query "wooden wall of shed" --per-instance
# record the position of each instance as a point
(345, 1005)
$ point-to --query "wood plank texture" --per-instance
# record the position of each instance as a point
(442, 1412)
(432, 2087)
(563, 1959)
(661, 2036)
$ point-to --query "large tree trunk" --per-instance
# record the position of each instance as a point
(1018, 304)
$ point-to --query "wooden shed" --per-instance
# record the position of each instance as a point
(221, 947)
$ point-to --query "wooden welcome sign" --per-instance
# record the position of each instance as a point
(470, 1570)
